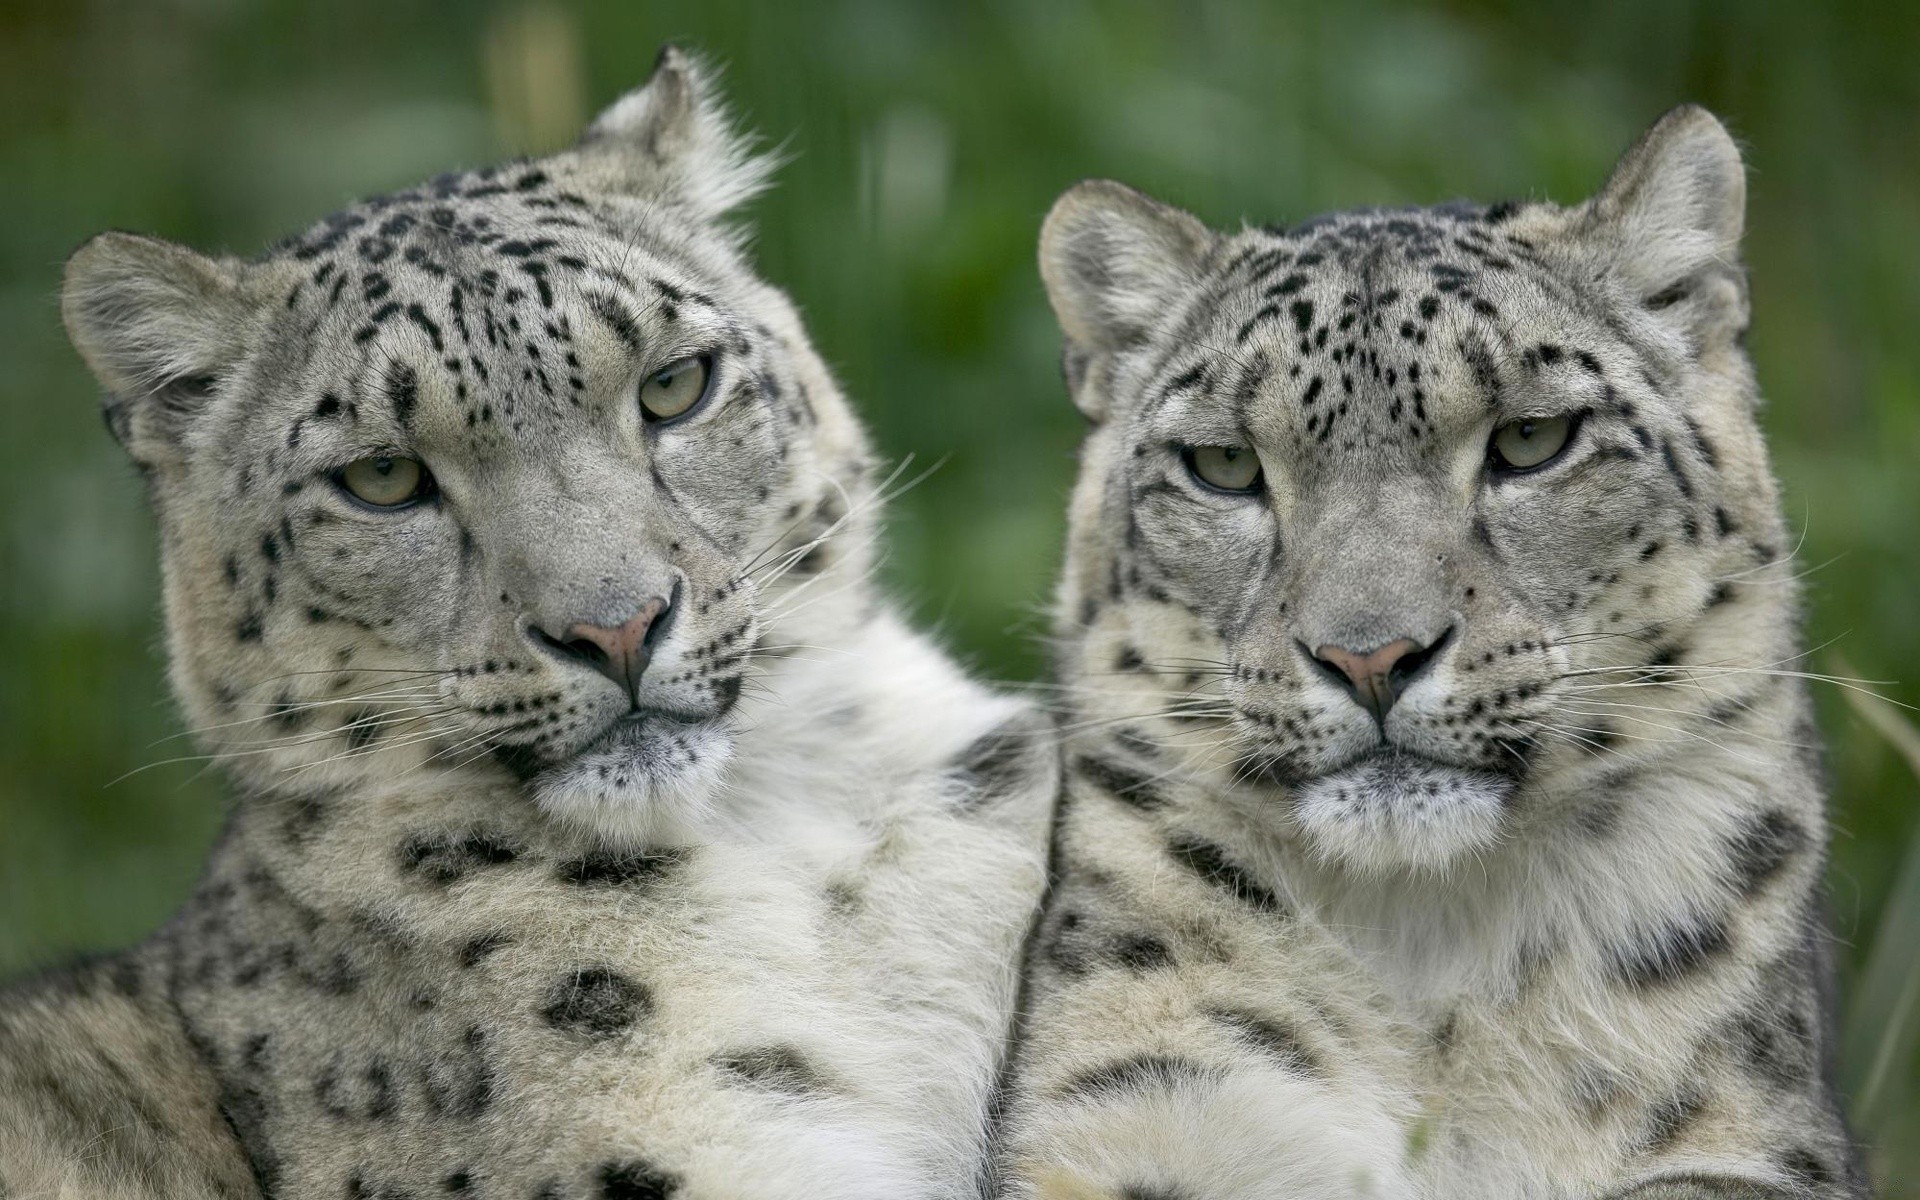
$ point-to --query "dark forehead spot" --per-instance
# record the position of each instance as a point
(615, 316)
(514, 248)
(402, 387)
(380, 317)
(426, 325)
(1198, 377)
(537, 271)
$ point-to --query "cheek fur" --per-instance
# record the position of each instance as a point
(727, 473)
(1206, 558)
(407, 579)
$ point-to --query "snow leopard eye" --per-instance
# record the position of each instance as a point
(1225, 468)
(386, 481)
(674, 390)
(1530, 443)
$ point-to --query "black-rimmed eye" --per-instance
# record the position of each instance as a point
(675, 389)
(1224, 468)
(1530, 443)
(386, 481)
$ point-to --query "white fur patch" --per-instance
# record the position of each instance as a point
(1251, 1135)
(1394, 812)
(640, 784)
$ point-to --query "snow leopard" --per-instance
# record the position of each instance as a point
(1443, 813)
(601, 831)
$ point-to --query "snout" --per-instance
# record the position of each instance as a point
(1375, 678)
(621, 652)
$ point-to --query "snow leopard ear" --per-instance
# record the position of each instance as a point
(1670, 218)
(159, 325)
(1114, 259)
(671, 139)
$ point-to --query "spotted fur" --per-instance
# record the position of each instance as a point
(1550, 927)
(486, 922)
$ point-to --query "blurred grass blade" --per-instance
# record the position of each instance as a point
(1883, 1023)
(535, 85)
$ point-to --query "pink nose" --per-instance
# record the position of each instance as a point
(1376, 677)
(622, 652)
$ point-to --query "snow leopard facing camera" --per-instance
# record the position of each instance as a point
(1443, 815)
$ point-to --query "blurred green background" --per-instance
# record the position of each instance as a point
(927, 140)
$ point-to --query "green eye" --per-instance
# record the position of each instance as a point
(671, 392)
(1225, 468)
(386, 482)
(1530, 442)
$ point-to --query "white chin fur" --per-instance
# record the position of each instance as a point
(1396, 813)
(643, 787)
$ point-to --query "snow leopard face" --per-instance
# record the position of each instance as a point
(1400, 516)
(512, 464)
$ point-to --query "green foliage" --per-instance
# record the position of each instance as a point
(1882, 1023)
(927, 140)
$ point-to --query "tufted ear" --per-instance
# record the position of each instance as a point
(159, 325)
(1113, 259)
(671, 139)
(1670, 218)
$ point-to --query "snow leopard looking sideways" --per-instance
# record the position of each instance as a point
(1440, 820)
(602, 833)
